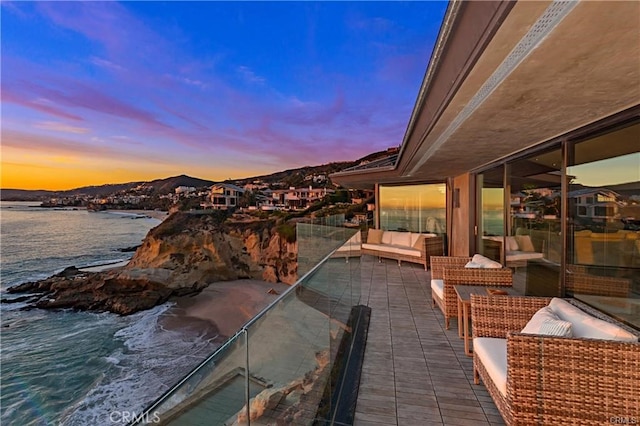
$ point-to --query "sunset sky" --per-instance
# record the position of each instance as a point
(105, 92)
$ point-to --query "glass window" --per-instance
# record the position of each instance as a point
(490, 215)
(603, 257)
(414, 208)
(533, 247)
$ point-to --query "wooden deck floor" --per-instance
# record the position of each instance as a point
(415, 372)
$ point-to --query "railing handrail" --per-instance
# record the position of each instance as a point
(242, 330)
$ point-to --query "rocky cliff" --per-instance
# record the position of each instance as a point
(182, 255)
(194, 250)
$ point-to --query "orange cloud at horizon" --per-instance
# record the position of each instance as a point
(34, 162)
(413, 196)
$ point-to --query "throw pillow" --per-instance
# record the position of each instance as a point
(512, 244)
(419, 244)
(525, 243)
(546, 322)
(485, 262)
(375, 236)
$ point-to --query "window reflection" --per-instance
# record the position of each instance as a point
(414, 208)
(491, 213)
(603, 258)
(534, 243)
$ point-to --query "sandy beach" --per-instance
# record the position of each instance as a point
(223, 306)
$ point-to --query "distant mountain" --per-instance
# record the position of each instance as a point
(628, 189)
(324, 169)
(160, 186)
(284, 175)
(164, 186)
(25, 195)
(293, 177)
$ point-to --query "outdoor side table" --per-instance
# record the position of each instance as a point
(464, 293)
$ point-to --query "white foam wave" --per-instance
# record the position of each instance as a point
(149, 362)
(112, 359)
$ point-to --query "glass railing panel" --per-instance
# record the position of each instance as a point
(315, 242)
(293, 346)
(284, 352)
(289, 348)
(211, 394)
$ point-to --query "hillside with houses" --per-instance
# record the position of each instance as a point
(304, 190)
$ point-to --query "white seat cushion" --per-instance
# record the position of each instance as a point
(371, 246)
(492, 352)
(438, 288)
(512, 256)
(584, 325)
(385, 248)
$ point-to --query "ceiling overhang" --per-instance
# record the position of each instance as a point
(507, 76)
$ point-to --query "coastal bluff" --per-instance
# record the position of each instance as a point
(181, 256)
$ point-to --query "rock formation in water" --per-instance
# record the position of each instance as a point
(182, 255)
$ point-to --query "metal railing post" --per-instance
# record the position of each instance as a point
(246, 374)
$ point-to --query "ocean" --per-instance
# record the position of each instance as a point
(81, 368)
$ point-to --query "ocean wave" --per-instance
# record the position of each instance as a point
(150, 360)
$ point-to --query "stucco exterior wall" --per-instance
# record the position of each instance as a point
(461, 240)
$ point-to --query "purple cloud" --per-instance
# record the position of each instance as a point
(150, 87)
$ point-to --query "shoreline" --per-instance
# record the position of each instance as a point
(153, 214)
(225, 306)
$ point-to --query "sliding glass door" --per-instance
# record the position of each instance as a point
(603, 256)
(490, 214)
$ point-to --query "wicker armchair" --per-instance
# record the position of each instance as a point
(555, 380)
(452, 272)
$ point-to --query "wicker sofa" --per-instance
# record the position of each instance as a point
(403, 246)
(448, 271)
(585, 379)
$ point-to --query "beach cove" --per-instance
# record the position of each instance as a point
(74, 368)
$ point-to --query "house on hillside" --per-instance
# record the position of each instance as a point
(184, 190)
(596, 204)
(294, 198)
(223, 196)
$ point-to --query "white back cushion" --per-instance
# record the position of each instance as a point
(414, 238)
(584, 325)
(387, 237)
(402, 239)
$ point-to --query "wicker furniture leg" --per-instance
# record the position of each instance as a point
(466, 314)
(460, 334)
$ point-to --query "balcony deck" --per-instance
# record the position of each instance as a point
(415, 371)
